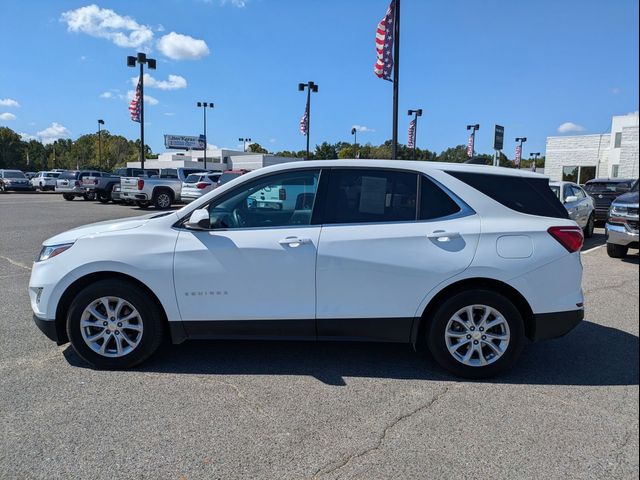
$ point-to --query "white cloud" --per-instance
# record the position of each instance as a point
(615, 91)
(272, 140)
(7, 116)
(106, 95)
(148, 99)
(633, 114)
(8, 102)
(568, 127)
(53, 132)
(169, 114)
(362, 128)
(27, 136)
(105, 23)
(182, 47)
(235, 3)
(174, 82)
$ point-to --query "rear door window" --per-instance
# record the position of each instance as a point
(371, 195)
(528, 195)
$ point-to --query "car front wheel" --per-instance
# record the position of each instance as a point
(68, 197)
(476, 334)
(162, 200)
(113, 324)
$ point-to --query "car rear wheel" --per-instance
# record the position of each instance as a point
(162, 200)
(143, 204)
(617, 251)
(67, 197)
(476, 334)
(114, 324)
(104, 197)
(89, 197)
(591, 224)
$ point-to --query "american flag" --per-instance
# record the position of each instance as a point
(412, 134)
(136, 104)
(304, 122)
(470, 146)
(518, 155)
(384, 44)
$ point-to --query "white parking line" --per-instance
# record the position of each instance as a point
(17, 264)
(592, 249)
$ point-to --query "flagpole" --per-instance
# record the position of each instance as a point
(396, 70)
(308, 119)
(141, 116)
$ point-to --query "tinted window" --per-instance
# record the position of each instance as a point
(556, 190)
(69, 175)
(360, 195)
(435, 202)
(169, 173)
(14, 174)
(227, 177)
(606, 186)
(578, 192)
(274, 201)
(193, 178)
(522, 194)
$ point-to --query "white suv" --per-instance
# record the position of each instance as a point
(465, 260)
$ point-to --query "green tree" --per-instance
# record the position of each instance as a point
(257, 148)
(11, 149)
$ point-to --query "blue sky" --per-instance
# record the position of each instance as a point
(530, 66)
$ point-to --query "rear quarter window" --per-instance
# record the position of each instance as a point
(528, 195)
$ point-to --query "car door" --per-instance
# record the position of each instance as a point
(584, 205)
(572, 207)
(252, 271)
(388, 238)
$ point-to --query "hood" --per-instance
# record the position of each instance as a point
(629, 198)
(100, 227)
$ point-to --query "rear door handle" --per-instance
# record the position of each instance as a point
(442, 236)
(294, 241)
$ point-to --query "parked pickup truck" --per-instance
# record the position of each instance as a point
(622, 224)
(161, 192)
(102, 187)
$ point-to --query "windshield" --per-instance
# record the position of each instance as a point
(556, 190)
(69, 175)
(193, 179)
(14, 174)
(227, 177)
(51, 174)
(605, 186)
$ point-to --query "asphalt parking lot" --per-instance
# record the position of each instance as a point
(303, 410)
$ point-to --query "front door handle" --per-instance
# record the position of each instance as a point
(294, 241)
(442, 236)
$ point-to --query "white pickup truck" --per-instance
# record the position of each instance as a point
(161, 191)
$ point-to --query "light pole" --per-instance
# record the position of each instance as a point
(471, 146)
(141, 59)
(311, 87)
(204, 106)
(100, 122)
(519, 150)
(535, 156)
(417, 113)
(244, 143)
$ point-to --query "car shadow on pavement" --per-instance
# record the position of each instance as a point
(592, 354)
(599, 238)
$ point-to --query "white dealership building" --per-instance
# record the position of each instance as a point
(580, 158)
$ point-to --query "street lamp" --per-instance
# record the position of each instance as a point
(354, 132)
(519, 150)
(244, 143)
(471, 147)
(100, 122)
(311, 87)
(141, 59)
(535, 156)
(417, 113)
(204, 106)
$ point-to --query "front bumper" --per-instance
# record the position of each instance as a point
(50, 329)
(553, 325)
(621, 235)
(19, 188)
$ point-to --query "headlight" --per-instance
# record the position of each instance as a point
(51, 251)
(618, 210)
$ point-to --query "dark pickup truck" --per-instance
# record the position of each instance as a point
(604, 191)
(102, 187)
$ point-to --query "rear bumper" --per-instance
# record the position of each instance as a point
(621, 235)
(134, 196)
(553, 325)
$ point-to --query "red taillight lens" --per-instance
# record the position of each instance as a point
(570, 238)
(140, 184)
(201, 185)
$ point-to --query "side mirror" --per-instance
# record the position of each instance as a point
(571, 199)
(199, 220)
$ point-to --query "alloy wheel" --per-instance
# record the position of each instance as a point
(111, 326)
(477, 335)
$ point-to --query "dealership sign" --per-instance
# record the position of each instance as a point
(184, 142)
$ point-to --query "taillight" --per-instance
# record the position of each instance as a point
(201, 185)
(140, 184)
(570, 238)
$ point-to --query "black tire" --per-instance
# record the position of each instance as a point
(144, 204)
(591, 224)
(162, 199)
(104, 197)
(68, 197)
(2, 190)
(617, 251)
(150, 314)
(89, 197)
(435, 332)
